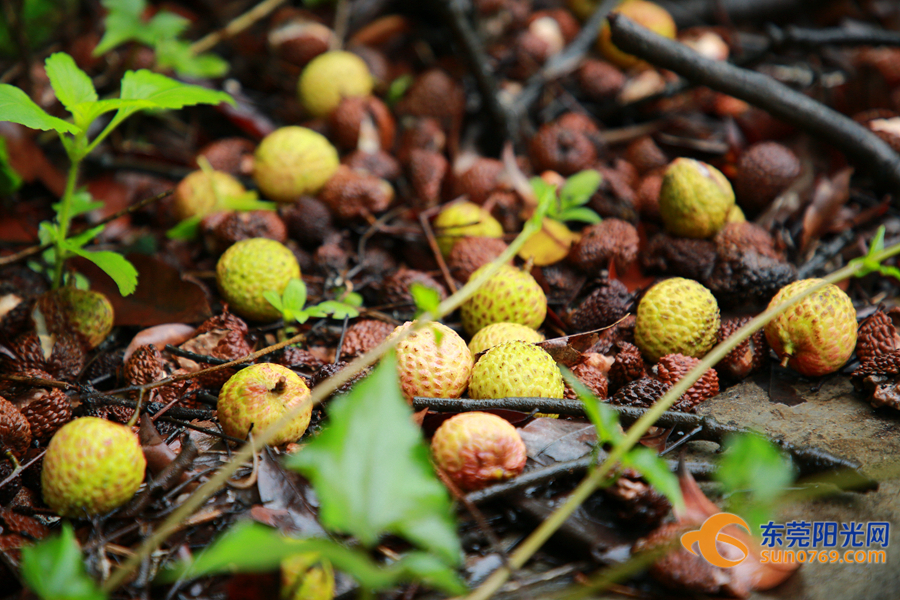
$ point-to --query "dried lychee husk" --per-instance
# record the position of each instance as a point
(200, 192)
(352, 194)
(479, 180)
(395, 287)
(299, 40)
(599, 80)
(183, 392)
(637, 501)
(363, 336)
(602, 307)
(87, 313)
(747, 276)
(426, 171)
(15, 431)
(430, 367)
(232, 155)
(46, 409)
(434, 94)
(679, 257)
(220, 233)
(145, 365)
(378, 163)
(296, 358)
(647, 196)
(641, 393)
(471, 253)
(476, 449)
(422, 134)
(326, 371)
(645, 155)
(593, 377)
(816, 335)
(673, 367)
(345, 121)
(627, 367)
(65, 360)
(748, 356)
(557, 148)
(308, 221)
(879, 377)
(743, 237)
(225, 320)
(764, 170)
(609, 240)
(330, 258)
(877, 335)
(13, 389)
(231, 346)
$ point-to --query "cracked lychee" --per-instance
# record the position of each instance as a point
(256, 397)
(476, 449)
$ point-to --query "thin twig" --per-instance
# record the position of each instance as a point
(834, 36)
(863, 146)
(236, 26)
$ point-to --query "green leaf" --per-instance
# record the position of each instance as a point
(177, 55)
(17, 107)
(252, 547)
(10, 181)
(877, 244)
(187, 229)
(397, 89)
(353, 299)
(294, 295)
(371, 471)
(247, 201)
(426, 298)
(274, 299)
(604, 419)
(167, 93)
(334, 309)
(53, 569)
(579, 188)
(82, 202)
(165, 25)
(71, 85)
(656, 472)
(77, 241)
(113, 264)
(123, 23)
(579, 213)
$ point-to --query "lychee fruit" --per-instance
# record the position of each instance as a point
(201, 192)
(650, 15)
(516, 369)
(306, 576)
(257, 396)
(331, 77)
(249, 269)
(676, 316)
(87, 312)
(91, 467)
(510, 296)
(433, 362)
(816, 335)
(695, 199)
(292, 161)
(499, 333)
(476, 449)
(464, 219)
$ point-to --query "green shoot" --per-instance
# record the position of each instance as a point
(569, 203)
(125, 23)
(141, 90)
(53, 569)
(292, 304)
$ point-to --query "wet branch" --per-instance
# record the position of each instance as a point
(835, 36)
(860, 144)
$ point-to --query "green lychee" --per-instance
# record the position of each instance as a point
(816, 335)
(306, 576)
(695, 199)
(293, 161)
(516, 369)
(331, 77)
(510, 296)
(676, 316)
(251, 267)
(432, 367)
(476, 449)
(199, 193)
(649, 15)
(257, 396)
(87, 312)
(91, 467)
(498, 333)
(464, 219)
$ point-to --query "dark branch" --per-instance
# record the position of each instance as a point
(836, 36)
(860, 144)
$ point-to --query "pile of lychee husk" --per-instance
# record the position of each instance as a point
(694, 193)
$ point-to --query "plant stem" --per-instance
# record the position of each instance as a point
(65, 219)
(540, 535)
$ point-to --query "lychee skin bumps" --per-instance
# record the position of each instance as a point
(258, 396)
(516, 369)
(817, 335)
(464, 219)
(91, 467)
(695, 199)
(510, 296)
(432, 368)
(251, 267)
(499, 333)
(293, 161)
(676, 316)
(476, 449)
(331, 77)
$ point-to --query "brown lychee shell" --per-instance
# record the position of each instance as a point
(15, 431)
(748, 356)
(46, 411)
(395, 288)
(764, 171)
(471, 253)
(566, 151)
(645, 155)
(671, 368)
(352, 194)
(745, 236)
(600, 80)
(627, 367)
(479, 180)
(364, 335)
(145, 365)
(426, 171)
(877, 335)
(610, 239)
(345, 121)
(602, 307)
(593, 378)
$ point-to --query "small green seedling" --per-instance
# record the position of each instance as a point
(569, 203)
(141, 90)
(292, 304)
(125, 22)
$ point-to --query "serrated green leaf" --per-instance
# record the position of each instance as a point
(71, 85)
(579, 188)
(165, 25)
(656, 472)
(579, 213)
(426, 298)
(124, 22)
(165, 92)
(53, 569)
(371, 471)
(82, 202)
(17, 107)
(187, 229)
(293, 297)
(178, 56)
(10, 180)
(77, 241)
(113, 264)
